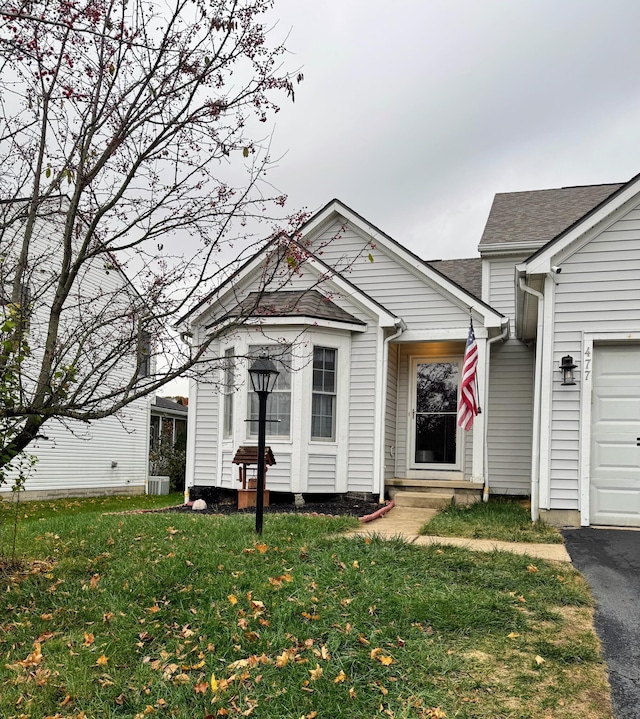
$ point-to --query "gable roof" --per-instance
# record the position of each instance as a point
(166, 403)
(293, 303)
(466, 273)
(538, 216)
(463, 283)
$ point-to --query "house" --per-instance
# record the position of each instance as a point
(109, 455)
(369, 341)
(168, 421)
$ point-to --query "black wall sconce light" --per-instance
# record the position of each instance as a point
(567, 366)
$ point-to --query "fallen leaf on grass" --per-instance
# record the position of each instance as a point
(539, 660)
(102, 661)
(340, 678)
(93, 582)
(513, 635)
(262, 548)
(316, 673)
(201, 687)
(233, 600)
(532, 568)
(352, 693)
(88, 639)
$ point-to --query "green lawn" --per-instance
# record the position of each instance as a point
(498, 519)
(173, 615)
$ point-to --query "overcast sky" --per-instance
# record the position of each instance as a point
(416, 112)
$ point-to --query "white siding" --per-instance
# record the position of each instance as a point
(510, 410)
(279, 475)
(402, 291)
(362, 450)
(322, 473)
(76, 457)
(391, 417)
(204, 422)
(598, 289)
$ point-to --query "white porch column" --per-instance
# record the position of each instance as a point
(477, 465)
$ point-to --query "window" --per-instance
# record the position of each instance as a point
(144, 354)
(228, 389)
(279, 401)
(323, 400)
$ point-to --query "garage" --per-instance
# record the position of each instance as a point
(615, 436)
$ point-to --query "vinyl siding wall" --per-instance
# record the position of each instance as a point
(511, 375)
(76, 458)
(403, 292)
(203, 422)
(598, 289)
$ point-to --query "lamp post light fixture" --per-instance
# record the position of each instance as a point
(263, 374)
(566, 367)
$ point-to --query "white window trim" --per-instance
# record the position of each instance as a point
(334, 394)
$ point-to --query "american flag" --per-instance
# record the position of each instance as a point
(468, 402)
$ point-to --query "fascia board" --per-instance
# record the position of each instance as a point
(509, 249)
(576, 237)
(303, 320)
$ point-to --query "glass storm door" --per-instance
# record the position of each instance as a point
(435, 403)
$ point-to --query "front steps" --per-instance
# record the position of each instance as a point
(432, 493)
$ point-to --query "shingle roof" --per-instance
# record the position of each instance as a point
(165, 403)
(467, 273)
(285, 303)
(540, 215)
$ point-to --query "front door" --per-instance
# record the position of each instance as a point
(435, 437)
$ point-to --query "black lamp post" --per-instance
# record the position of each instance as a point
(263, 375)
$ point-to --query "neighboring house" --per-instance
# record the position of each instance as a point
(370, 354)
(168, 422)
(74, 458)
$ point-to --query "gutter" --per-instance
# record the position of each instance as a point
(400, 328)
(537, 399)
(504, 335)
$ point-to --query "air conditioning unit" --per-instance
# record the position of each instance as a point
(158, 485)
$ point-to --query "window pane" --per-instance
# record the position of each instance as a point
(279, 401)
(229, 382)
(437, 387)
(324, 388)
(436, 439)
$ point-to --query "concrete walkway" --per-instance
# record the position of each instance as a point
(405, 522)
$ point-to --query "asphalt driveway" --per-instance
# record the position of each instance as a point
(610, 561)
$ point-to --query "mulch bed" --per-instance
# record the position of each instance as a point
(339, 506)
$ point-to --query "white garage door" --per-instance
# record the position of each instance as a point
(615, 436)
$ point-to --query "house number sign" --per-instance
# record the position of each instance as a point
(587, 363)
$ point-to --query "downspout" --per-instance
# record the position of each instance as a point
(502, 336)
(400, 328)
(537, 397)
